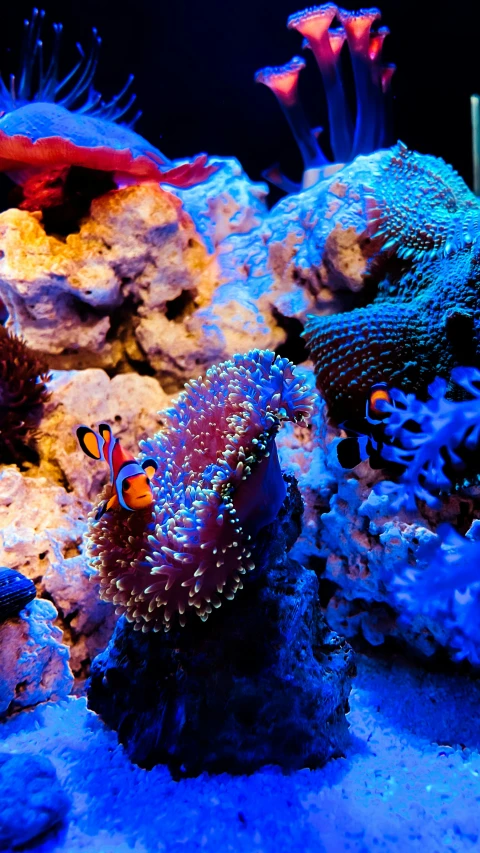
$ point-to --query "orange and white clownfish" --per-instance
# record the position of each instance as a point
(130, 479)
(366, 442)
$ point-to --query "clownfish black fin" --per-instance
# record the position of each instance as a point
(105, 431)
(149, 466)
(101, 510)
(353, 450)
(90, 442)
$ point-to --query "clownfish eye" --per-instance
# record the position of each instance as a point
(126, 486)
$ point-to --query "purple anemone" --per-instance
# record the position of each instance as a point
(218, 481)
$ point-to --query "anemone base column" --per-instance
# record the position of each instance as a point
(264, 681)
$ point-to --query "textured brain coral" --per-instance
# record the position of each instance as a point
(424, 318)
(218, 482)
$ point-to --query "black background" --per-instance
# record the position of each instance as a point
(194, 65)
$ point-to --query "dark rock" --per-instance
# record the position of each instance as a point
(15, 592)
(264, 681)
(32, 800)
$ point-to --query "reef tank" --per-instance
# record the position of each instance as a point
(239, 428)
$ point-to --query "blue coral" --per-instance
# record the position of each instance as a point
(425, 318)
(444, 585)
(368, 130)
(431, 438)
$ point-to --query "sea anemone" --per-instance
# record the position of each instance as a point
(23, 389)
(348, 138)
(49, 125)
(218, 482)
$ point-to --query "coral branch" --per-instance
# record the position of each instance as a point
(283, 82)
(434, 440)
(314, 25)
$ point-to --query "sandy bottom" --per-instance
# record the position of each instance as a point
(411, 780)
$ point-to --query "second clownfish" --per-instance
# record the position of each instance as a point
(130, 479)
(366, 439)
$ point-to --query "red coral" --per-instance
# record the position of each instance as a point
(218, 481)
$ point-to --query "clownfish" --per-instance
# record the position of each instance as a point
(130, 479)
(367, 442)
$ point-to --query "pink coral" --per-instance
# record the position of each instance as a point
(350, 135)
(218, 481)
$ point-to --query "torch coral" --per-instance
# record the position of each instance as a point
(22, 389)
(47, 128)
(218, 481)
(434, 440)
(372, 82)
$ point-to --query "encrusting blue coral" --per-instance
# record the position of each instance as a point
(348, 138)
(49, 124)
(424, 319)
(444, 584)
(218, 481)
(432, 439)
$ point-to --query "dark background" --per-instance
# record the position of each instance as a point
(194, 64)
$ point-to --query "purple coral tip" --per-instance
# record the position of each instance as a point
(313, 22)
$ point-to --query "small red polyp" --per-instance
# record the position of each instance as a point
(387, 74)
(336, 38)
(376, 43)
(313, 23)
(282, 80)
(358, 26)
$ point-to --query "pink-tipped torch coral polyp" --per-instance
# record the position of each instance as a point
(48, 125)
(218, 481)
(348, 137)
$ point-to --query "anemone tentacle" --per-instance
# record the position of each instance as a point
(218, 480)
(424, 319)
(35, 84)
